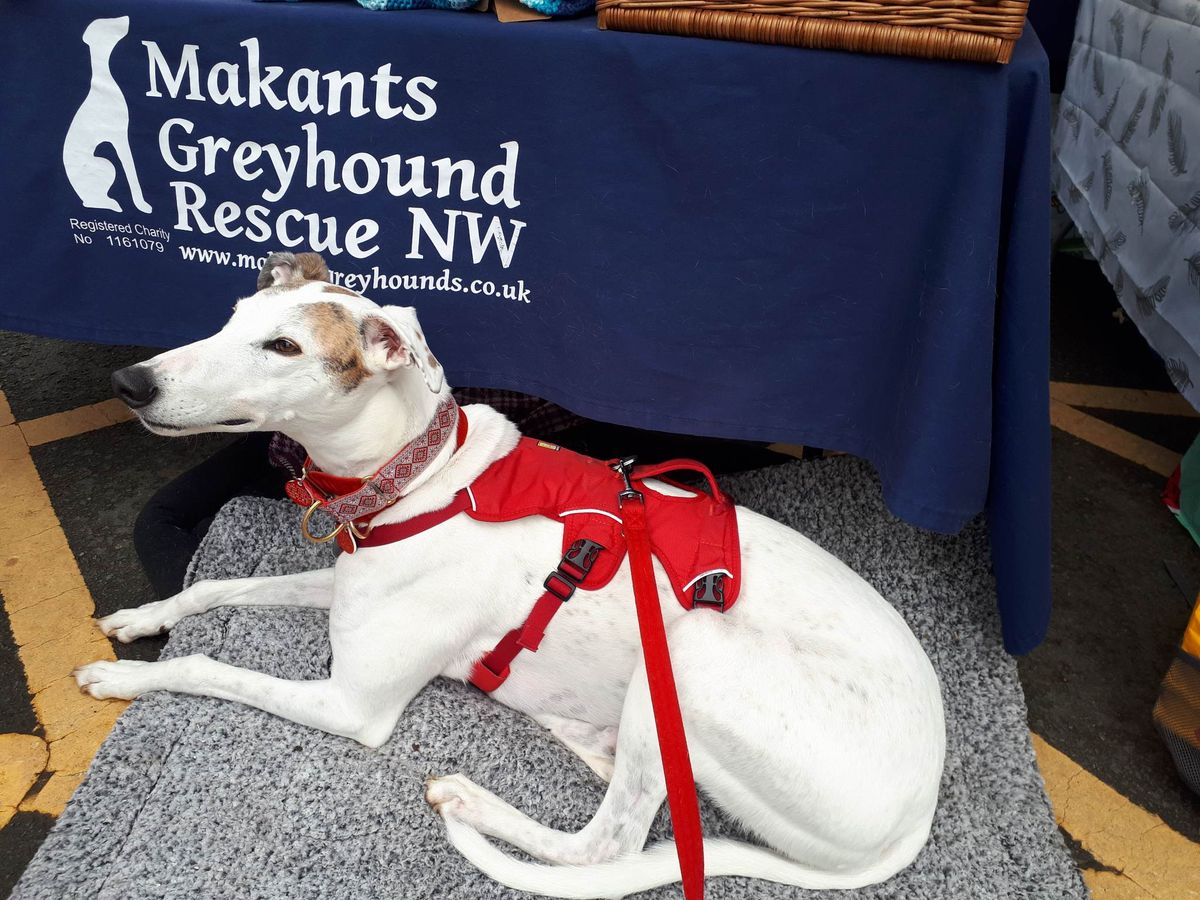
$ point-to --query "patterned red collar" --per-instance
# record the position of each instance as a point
(353, 502)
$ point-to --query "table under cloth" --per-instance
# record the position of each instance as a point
(696, 236)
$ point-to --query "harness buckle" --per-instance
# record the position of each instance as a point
(580, 557)
(560, 585)
(710, 591)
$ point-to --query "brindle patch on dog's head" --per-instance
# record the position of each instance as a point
(283, 271)
(338, 344)
(312, 267)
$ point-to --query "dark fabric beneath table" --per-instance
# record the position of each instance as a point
(716, 238)
(1054, 21)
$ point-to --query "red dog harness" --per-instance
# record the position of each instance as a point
(606, 511)
(695, 537)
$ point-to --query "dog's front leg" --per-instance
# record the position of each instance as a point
(363, 706)
(318, 704)
(312, 589)
(383, 654)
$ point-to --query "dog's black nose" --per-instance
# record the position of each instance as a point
(135, 385)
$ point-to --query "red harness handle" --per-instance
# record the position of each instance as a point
(672, 743)
(641, 473)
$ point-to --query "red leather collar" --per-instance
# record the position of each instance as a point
(379, 535)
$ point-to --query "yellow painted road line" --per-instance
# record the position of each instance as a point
(1153, 859)
(23, 758)
(50, 612)
(74, 421)
(1113, 439)
(1095, 396)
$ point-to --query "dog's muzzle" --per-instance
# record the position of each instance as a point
(135, 386)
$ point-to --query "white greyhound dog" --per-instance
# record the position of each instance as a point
(812, 714)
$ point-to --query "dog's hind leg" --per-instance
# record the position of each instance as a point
(312, 589)
(619, 826)
(594, 745)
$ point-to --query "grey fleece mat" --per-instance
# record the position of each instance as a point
(201, 798)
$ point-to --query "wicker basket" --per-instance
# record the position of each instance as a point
(974, 30)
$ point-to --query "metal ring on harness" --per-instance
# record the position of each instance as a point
(323, 539)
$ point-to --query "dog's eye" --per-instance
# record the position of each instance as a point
(283, 346)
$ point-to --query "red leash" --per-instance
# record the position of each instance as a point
(492, 670)
(672, 743)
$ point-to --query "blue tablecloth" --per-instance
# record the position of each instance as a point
(697, 236)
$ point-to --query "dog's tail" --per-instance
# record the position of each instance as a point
(658, 865)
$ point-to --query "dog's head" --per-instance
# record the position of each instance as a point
(298, 351)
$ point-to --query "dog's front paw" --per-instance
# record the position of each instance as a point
(120, 679)
(456, 796)
(130, 624)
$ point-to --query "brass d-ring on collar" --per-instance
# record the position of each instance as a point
(323, 539)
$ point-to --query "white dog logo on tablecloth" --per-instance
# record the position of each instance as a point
(103, 117)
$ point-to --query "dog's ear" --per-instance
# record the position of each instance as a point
(393, 339)
(292, 269)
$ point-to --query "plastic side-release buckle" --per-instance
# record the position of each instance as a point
(710, 591)
(577, 562)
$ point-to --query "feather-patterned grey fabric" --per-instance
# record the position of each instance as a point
(1131, 107)
(194, 797)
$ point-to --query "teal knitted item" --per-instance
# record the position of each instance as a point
(554, 8)
(416, 4)
(559, 7)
